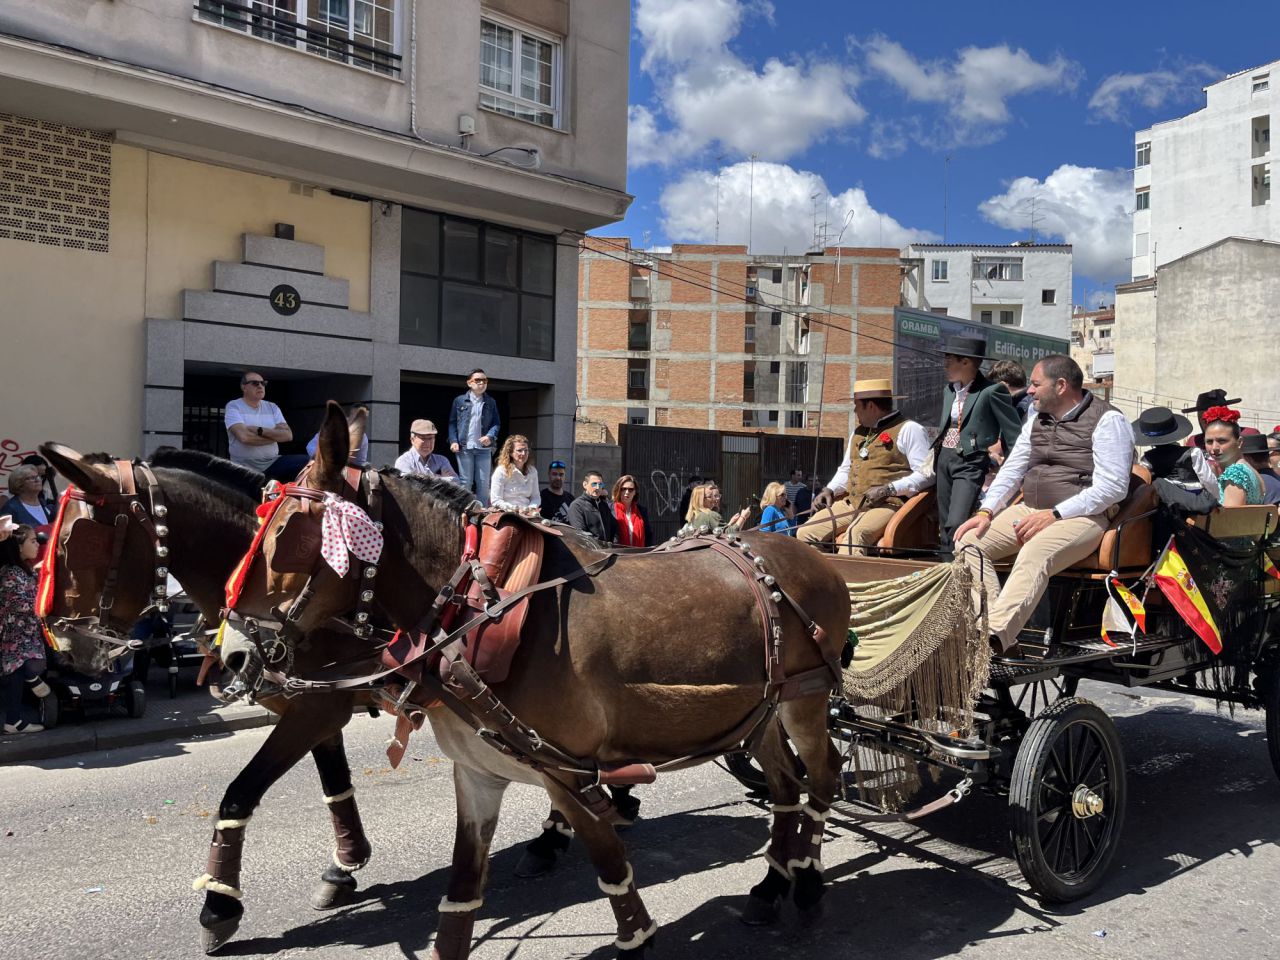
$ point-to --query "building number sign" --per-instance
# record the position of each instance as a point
(285, 300)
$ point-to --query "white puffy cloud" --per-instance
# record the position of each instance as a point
(1088, 207)
(706, 94)
(975, 87)
(644, 142)
(1119, 92)
(781, 216)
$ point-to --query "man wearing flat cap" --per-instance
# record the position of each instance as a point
(421, 459)
(976, 412)
(884, 464)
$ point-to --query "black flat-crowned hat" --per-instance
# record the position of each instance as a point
(1254, 443)
(1160, 425)
(1217, 397)
(975, 347)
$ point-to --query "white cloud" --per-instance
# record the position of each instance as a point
(1088, 207)
(975, 87)
(783, 210)
(1119, 92)
(706, 94)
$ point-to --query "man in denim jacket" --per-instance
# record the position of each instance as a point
(473, 434)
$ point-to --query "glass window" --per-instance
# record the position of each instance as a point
(461, 249)
(939, 270)
(775, 318)
(500, 256)
(775, 366)
(748, 379)
(777, 274)
(749, 334)
(1006, 318)
(537, 327)
(419, 310)
(421, 244)
(1048, 296)
(479, 319)
(985, 316)
(519, 73)
(539, 270)
(1142, 200)
(997, 268)
(1143, 154)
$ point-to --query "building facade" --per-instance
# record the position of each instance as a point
(709, 337)
(1025, 285)
(1205, 320)
(360, 200)
(1207, 175)
(1092, 343)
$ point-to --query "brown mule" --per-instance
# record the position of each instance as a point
(656, 659)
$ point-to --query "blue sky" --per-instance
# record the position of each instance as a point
(1036, 105)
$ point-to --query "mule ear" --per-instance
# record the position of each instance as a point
(332, 450)
(357, 424)
(89, 477)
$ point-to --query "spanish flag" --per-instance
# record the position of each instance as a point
(1123, 614)
(1268, 567)
(1176, 583)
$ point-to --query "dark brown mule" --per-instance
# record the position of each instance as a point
(209, 512)
(656, 658)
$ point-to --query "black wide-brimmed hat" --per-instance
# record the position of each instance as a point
(1160, 425)
(1254, 443)
(975, 347)
(1217, 397)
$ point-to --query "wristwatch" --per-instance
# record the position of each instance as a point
(1056, 514)
(259, 431)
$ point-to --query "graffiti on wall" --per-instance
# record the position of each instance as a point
(12, 454)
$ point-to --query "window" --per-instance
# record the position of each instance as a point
(1048, 296)
(749, 333)
(519, 74)
(1144, 154)
(1007, 318)
(1261, 184)
(361, 33)
(1261, 128)
(748, 379)
(795, 419)
(1104, 333)
(468, 285)
(773, 416)
(941, 310)
(637, 379)
(985, 316)
(775, 367)
(1261, 83)
(939, 271)
(1142, 200)
(997, 268)
(638, 336)
(777, 274)
(637, 415)
(775, 318)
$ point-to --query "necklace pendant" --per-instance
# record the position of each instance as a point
(863, 453)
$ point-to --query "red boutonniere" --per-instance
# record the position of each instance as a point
(886, 440)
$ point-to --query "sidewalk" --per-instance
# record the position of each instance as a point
(192, 713)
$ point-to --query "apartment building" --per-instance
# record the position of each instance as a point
(710, 337)
(360, 200)
(1092, 345)
(1024, 285)
(1206, 176)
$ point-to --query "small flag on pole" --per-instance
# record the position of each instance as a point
(1124, 613)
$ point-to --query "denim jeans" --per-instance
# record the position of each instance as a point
(474, 467)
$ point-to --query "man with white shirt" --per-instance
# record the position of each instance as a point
(421, 459)
(255, 430)
(1072, 463)
(884, 464)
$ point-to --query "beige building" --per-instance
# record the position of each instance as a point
(361, 200)
(1204, 320)
(1092, 343)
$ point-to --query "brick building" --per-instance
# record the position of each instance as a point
(708, 337)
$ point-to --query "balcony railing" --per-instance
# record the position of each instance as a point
(262, 22)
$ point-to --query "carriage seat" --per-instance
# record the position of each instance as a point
(1253, 521)
(1127, 542)
(914, 524)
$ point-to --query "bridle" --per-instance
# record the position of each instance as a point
(100, 539)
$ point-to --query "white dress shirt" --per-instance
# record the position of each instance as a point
(1112, 465)
(516, 491)
(913, 442)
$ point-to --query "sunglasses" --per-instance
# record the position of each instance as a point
(478, 380)
(254, 383)
(557, 465)
(627, 490)
(596, 483)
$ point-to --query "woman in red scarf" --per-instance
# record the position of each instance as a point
(630, 515)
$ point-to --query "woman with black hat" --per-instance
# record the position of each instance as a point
(1217, 397)
(976, 412)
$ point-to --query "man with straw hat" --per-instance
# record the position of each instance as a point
(884, 464)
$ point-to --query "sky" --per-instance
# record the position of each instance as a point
(983, 123)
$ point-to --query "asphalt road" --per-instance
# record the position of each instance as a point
(97, 853)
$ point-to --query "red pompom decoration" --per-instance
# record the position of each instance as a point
(886, 439)
(1221, 415)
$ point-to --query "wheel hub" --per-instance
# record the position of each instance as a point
(1085, 803)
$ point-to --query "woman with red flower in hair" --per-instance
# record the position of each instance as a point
(1238, 483)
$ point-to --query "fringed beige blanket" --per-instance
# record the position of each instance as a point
(921, 657)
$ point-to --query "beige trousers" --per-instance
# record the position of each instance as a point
(1053, 549)
(852, 530)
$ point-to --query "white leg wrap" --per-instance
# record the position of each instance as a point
(451, 906)
(638, 938)
(561, 828)
(231, 824)
(617, 889)
(347, 867)
(346, 794)
(768, 858)
(794, 865)
(206, 882)
(787, 808)
(815, 815)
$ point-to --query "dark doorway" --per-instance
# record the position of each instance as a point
(432, 400)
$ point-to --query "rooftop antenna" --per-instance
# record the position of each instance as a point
(1034, 218)
(751, 200)
(645, 237)
(719, 170)
(814, 197)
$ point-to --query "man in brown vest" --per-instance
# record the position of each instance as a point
(884, 464)
(1072, 463)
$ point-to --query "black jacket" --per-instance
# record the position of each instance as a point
(988, 416)
(594, 515)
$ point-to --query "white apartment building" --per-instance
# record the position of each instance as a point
(1207, 175)
(1024, 285)
(359, 199)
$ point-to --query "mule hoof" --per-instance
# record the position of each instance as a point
(534, 864)
(327, 896)
(760, 912)
(217, 933)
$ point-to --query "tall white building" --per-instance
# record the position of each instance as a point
(1025, 285)
(1207, 175)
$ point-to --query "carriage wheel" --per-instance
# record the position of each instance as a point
(747, 772)
(1272, 704)
(1033, 698)
(1067, 799)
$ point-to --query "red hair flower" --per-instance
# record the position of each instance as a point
(886, 439)
(1221, 415)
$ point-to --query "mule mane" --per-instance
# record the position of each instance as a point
(240, 480)
(441, 492)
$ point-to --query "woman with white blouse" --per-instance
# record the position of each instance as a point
(514, 485)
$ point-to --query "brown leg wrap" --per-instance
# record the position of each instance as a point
(783, 839)
(635, 926)
(808, 848)
(222, 871)
(353, 849)
(453, 936)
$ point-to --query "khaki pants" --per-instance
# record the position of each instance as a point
(851, 530)
(1051, 550)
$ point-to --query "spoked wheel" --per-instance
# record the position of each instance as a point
(1033, 698)
(1067, 799)
(747, 772)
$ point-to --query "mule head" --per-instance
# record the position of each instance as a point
(83, 555)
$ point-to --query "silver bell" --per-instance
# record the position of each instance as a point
(361, 617)
(162, 572)
(161, 550)
(370, 572)
(776, 596)
(770, 580)
(366, 596)
(759, 561)
(162, 530)
(162, 510)
(160, 591)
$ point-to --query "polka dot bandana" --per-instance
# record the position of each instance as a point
(347, 529)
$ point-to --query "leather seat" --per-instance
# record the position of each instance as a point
(1127, 542)
(915, 525)
(1253, 520)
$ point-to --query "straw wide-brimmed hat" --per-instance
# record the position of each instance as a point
(879, 389)
(1157, 426)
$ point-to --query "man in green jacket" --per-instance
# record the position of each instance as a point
(976, 412)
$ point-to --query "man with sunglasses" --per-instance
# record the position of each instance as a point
(473, 433)
(421, 459)
(555, 499)
(255, 430)
(592, 513)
